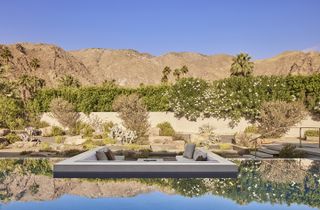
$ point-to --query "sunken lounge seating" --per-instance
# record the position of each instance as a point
(103, 163)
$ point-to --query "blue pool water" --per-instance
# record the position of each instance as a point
(263, 185)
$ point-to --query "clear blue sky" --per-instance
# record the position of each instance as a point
(262, 28)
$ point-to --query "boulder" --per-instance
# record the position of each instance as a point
(4, 131)
(46, 131)
(74, 140)
(154, 131)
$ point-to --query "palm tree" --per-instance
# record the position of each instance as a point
(177, 73)
(35, 63)
(184, 70)
(165, 73)
(28, 86)
(242, 66)
(6, 54)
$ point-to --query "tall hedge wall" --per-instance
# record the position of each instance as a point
(233, 97)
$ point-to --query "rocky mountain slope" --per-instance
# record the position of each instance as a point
(131, 68)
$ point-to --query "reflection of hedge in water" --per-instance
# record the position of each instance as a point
(250, 186)
(34, 166)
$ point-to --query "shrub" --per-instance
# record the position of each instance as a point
(59, 139)
(276, 118)
(166, 129)
(57, 131)
(12, 138)
(289, 151)
(133, 113)
(64, 112)
(109, 141)
(312, 133)
(251, 129)
(12, 114)
(225, 146)
(87, 131)
(107, 127)
(244, 139)
(122, 135)
(45, 146)
(207, 131)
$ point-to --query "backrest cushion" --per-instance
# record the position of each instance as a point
(199, 155)
(101, 155)
(189, 150)
(110, 155)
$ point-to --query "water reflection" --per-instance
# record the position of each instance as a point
(282, 183)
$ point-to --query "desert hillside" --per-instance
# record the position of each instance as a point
(131, 68)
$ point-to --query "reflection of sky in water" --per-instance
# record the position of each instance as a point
(151, 201)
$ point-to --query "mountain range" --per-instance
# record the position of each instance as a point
(132, 68)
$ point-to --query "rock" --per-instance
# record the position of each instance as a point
(160, 139)
(4, 131)
(46, 131)
(74, 140)
(154, 131)
(23, 145)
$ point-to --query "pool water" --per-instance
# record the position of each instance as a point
(269, 184)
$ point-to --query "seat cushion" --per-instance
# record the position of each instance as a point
(189, 150)
(110, 155)
(101, 155)
(199, 155)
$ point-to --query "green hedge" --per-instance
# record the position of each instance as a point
(234, 97)
(100, 99)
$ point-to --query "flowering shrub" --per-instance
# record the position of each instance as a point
(122, 135)
(187, 98)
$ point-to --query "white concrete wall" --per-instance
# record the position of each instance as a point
(183, 125)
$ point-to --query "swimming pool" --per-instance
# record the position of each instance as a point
(269, 184)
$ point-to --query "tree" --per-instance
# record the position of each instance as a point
(28, 86)
(184, 70)
(64, 112)
(176, 74)
(242, 66)
(6, 54)
(276, 117)
(35, 63)
(165, 73)
(69, 81)
(133, 113)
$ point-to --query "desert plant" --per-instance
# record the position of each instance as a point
(107, 127)
(35, 63)
(244, 139)
(166, 129)
(12, 138)
(242, 66)
(251, 129)
(69, 81)
(133, 113)
(277, 117)
(289, 151)
(311, 133)
(64, 112)
(122, 135)
(57, 131)
(59, 139)
(6, 54)
(225, 146)
(45, 147)
(207, 131)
